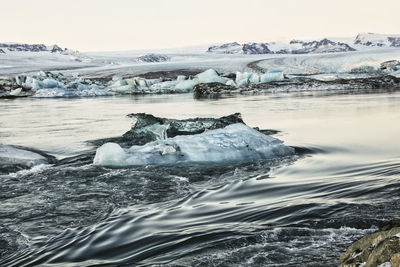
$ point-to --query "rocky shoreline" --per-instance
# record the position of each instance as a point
(381, 248)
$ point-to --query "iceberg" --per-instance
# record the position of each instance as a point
(242, 76)
(210, 76)
(60, 92)
(119, 82)
(233, 143)
(272, 76)
(254, 78)
(243, 82)
(181, 78)
(230, 83)
(110, 154)
(185, 85)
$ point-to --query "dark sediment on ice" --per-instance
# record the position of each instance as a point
(299, 84)
(171, 74)
(148, 128)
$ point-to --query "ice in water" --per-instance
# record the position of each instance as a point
(236, 142)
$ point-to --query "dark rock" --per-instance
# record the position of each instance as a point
(2, 51)
(375, 248)
(229, 75)
(202, 89)
(391, 65)
(166, 75)
(56, 49)
(364, 69)
(256, 48)
(394, 41)
(148, 128)
(141, 133)
(153, 58)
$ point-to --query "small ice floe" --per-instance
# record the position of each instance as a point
(233, 143)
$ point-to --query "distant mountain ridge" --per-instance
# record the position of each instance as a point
(19, 47)
(379, 40)
(306, 47)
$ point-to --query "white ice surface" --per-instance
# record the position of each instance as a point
(272, 76)
(185, 86)
(236, 142)
(330, 63)
(122, 63)
(210, 76)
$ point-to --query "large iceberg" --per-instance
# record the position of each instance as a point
(233, 143)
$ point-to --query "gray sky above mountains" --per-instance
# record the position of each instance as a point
(100, 25)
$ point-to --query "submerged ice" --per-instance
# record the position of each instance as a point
(235, 142)
(16, 156)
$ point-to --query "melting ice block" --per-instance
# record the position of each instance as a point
(272, 76)
(185, 85)
(235, 142)
(210, 76)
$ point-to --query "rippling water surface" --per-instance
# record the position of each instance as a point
(301, 211)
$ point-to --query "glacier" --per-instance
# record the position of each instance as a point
(233, 143)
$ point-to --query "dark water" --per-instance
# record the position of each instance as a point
(299, 211)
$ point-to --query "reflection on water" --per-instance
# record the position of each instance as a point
(282, 213)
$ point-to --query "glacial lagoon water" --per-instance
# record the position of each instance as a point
(299, 211)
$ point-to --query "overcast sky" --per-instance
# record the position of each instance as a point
(100, 25)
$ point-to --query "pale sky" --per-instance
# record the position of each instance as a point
(100, 25)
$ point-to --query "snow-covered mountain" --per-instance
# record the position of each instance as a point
(323, 46)
(377, 40)
(236, 48)
(18, 47)
(294, 47)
